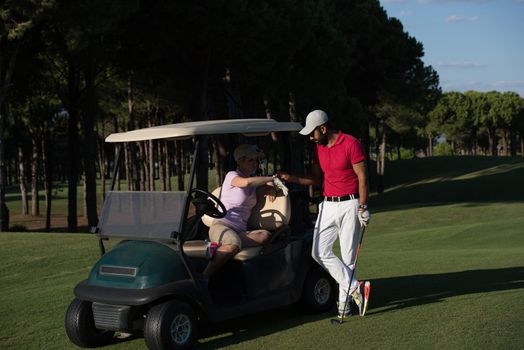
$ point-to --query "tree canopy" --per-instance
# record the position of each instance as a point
(79, 70)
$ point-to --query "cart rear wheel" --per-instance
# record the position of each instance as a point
(170, 325)
(318, 294)
(80, 326)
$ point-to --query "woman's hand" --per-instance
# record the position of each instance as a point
(271, 193)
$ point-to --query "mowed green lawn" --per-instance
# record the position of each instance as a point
(444, 251)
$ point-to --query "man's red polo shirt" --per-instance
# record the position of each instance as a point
(336, 164)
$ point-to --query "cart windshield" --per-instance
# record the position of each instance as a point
(142, 215)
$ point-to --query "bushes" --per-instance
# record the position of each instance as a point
(442, 149)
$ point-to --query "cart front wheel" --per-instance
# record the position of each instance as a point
(170, 325)
(80, 326)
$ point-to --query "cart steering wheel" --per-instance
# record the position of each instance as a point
(207, 203)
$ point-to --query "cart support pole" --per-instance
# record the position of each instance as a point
(191, 178)
(113, 180)
(116, 168)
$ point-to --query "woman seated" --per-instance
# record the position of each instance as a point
(239, 195)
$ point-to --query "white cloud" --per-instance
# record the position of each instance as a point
(465, 86)
(454, 18)
(459, 65)
(477, 85)
(504, 84)
(455, 1)
(393, 1)
(404, 13)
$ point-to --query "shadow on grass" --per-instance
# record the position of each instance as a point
(504, 186)
(388, 294)
(407, 291)
(250, 327)
(218, 335)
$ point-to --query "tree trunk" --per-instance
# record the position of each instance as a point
(102, 165)
(202, 164)
(201, 112)
(90, 144)
(4, 211)
(513, 142)
(522, 144)
(151, 152)
(151, 160)
(72, 173)
(179, 165)
(492, 139)
(117, 180)
(22, 181)
(5, 82)
(296, 161)
(128, 166)
(430, 145)
(170, 163)
(84, 186)
(142, 171)
(48, 180)
(232, 89)
(223, 145)
(381, 152)
(162, 160)
(504, 151)
(132, 161)
(35, 203)
(269, 115)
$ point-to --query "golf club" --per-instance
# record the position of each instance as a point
(336, 321)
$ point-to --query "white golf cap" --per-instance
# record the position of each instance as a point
(314, 119)
(250, 151)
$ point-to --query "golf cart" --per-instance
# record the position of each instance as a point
(149, 281)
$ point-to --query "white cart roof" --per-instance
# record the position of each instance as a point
(251, 127)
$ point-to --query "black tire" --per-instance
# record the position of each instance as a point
(80, 326)
(170, 325)
(319, 292)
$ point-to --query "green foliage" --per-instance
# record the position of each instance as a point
(442, 149)
(463, 117)
(406, 153)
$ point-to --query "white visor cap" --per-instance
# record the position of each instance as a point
(313, 120)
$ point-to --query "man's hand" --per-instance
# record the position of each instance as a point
(364, 217)
(283, 176)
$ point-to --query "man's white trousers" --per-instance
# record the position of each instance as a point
(337, 220)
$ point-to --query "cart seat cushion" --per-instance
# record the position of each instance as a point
(264, 215)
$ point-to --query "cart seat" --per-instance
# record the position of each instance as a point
(266, 215)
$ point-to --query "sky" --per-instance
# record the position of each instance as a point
(472, 44)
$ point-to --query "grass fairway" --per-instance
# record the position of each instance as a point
(444, 251)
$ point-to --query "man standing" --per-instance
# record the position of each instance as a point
(341, 162)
